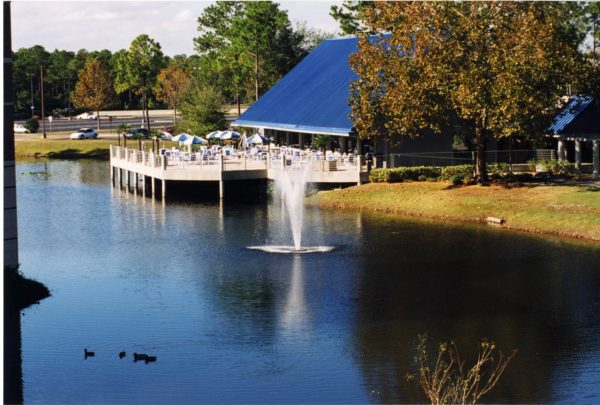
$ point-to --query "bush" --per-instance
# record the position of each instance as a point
(556, 167)
(465, 171)
(457, 180)
(32, 125)
(400, 174)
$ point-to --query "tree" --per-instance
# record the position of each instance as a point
(493, 69)
(172, 86)
(137, 68)
(246, 47)
(201, 112)
(350, 15)
(121, 130)
(94, 89)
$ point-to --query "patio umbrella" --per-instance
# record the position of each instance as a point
(229, 135)
(195, 140)
(257, 139)
(214, 135)
(181, 137)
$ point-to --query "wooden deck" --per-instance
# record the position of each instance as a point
(130, 164)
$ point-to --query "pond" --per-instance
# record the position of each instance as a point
(233, 325)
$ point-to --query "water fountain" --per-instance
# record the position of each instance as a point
(291, 183)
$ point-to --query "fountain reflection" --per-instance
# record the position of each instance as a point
(295, 318)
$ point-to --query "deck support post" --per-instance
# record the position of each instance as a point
(144, 185)
(120, 177)
(596, 158)
(578, 153)
(127, 179)
(153, 183)
(221, 189)
(163, 189)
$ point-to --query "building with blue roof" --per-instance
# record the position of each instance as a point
(313, 99)
(579, 122)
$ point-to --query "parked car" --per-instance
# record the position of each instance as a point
(87, 116)
(170, 130)
(84, 133)
(19, 128)
(134, 133)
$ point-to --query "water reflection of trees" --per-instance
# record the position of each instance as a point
(521, 292)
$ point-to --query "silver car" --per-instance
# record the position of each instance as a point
(84, 133)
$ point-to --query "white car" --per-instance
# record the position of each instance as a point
(87, 116)
(84, 133)
(21, 129)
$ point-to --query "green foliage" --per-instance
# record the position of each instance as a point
(350, 15)
(201, 111)
(32, 125)
(462, 171)
(555, 167)
(400, 174)
(456, 180)
(322, 141)
(245, 47)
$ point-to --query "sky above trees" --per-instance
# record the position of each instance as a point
(113, 25)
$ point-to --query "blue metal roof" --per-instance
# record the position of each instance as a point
(313, 96)
(574, 107)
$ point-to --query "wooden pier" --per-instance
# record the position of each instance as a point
(156, 169)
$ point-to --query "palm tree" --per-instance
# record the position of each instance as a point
(121, 130)
(155, 135)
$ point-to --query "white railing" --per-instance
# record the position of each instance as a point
(238, 161)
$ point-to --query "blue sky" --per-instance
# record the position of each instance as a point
(112, 25)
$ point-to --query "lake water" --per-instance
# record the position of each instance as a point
(233, 325)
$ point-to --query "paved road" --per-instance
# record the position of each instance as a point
(107, 130)
(63, 124)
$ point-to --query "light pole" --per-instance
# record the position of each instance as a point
(42, 100)
(31, 82)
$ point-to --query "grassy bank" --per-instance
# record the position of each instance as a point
(71, 149)
(63, 149)
(572, 211)
(21, 292)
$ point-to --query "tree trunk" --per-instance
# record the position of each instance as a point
(98, 119)
(256, 72)
(124, 141)
(174, 116)
(237, 97)
(481, 167)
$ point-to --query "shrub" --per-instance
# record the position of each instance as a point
(457, 180)
(499, 169)
(447, 379)
(465, 171)
(400, 174)
(556, 167)
(32, 125)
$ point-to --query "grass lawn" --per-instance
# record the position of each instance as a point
(572, 211)
(70, 149)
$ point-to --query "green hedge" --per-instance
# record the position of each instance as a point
(400, 174)
(557, 167)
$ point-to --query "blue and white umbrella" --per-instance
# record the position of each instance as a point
(181, 137)
(214, 135)
(195, 140)
(229, 135)
(257, 139)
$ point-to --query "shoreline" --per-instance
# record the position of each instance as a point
(370, 198)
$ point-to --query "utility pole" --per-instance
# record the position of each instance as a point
(31, 82)
(42, 100)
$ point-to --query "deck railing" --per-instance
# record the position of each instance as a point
(238, 161)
